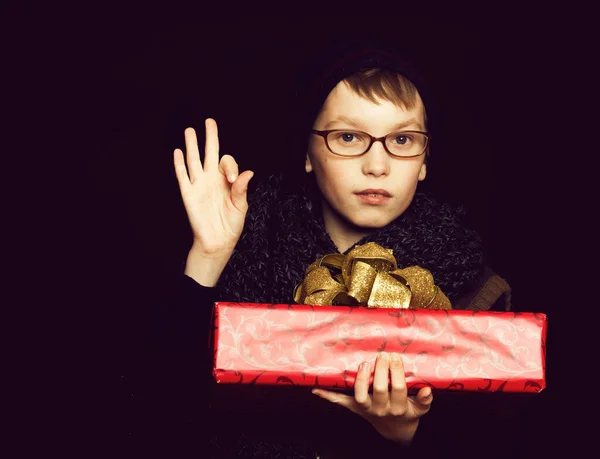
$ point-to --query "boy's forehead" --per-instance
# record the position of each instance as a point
(345, 105)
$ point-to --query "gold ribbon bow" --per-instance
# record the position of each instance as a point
(368, 276)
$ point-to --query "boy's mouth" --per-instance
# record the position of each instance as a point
(375, 193)
(374, 197)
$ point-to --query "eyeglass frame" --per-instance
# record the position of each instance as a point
(374, 139)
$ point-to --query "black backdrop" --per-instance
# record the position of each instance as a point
(135, 86)
(151, 83)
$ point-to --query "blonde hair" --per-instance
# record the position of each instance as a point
(382, 84)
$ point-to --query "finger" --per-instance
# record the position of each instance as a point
(192, 154)
(336, 397)
(399, 393)
(361, 386)
(421, 403)
(180, 170)
(381, 382)
(211, 146)
(229, 168)
(239, 191)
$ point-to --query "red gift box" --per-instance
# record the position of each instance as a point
(322, 346)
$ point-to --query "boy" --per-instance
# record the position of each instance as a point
(365, 141)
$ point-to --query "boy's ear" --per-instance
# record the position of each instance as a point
(308, 165)
(423, 172)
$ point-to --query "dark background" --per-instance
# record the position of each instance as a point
(129, 88)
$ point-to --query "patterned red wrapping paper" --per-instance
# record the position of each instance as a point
(322, 346)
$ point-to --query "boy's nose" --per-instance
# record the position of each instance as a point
(376, 161)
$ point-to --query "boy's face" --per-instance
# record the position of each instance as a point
(343, 180)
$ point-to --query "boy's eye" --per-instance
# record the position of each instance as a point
(348, 137)
(401, 139)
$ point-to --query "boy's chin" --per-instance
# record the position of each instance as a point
(359, 222)
(370, 224)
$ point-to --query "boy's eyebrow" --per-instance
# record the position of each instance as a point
(357, 124)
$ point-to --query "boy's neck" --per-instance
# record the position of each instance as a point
(343, 234)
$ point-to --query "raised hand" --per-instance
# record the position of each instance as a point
(393, 413)
(214, 196)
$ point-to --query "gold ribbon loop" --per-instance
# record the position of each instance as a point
(389, 292)
(369, 276)
(360, 281)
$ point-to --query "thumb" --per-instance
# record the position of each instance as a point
(239, 191)
(422, 402)
(336, 397)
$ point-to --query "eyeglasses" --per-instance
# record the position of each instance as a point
(402, 144)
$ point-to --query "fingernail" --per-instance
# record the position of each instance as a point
(383, 355)
(232, 178)
(395, 357)
(364, 367)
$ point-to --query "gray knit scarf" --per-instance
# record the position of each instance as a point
(284, 233)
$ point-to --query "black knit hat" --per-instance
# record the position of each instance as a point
(324, 70)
